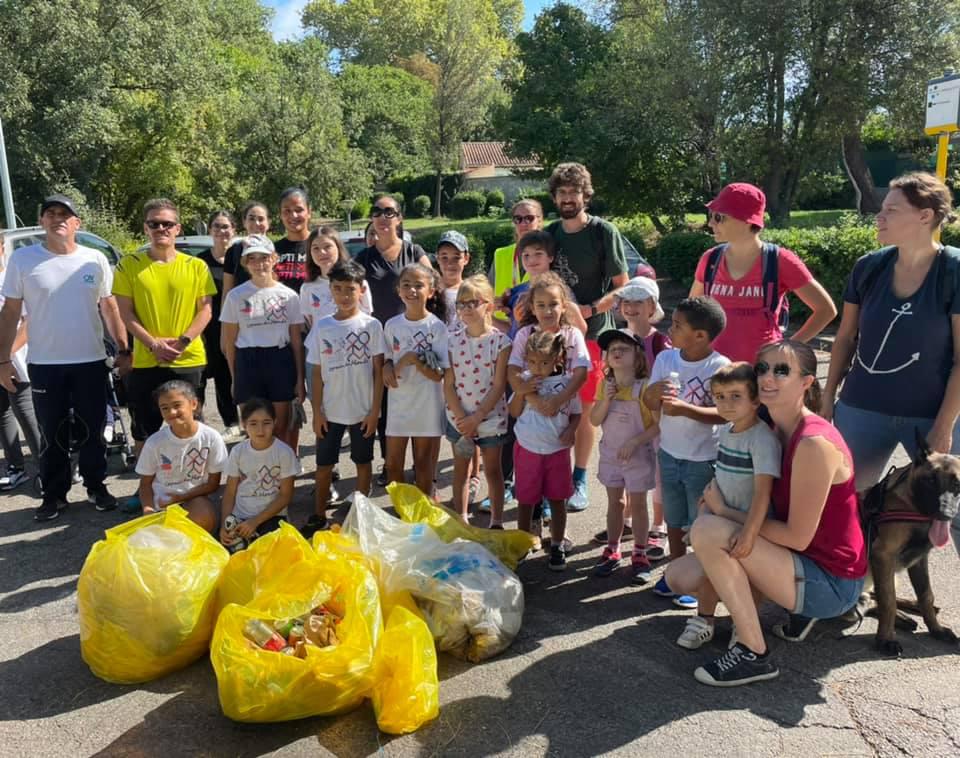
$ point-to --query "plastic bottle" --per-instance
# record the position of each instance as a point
(260, 633)
(673, 379)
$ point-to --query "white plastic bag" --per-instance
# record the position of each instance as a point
(472, 602)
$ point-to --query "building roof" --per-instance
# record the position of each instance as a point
(477, 154)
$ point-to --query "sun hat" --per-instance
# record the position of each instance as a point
(642, 288)
(741, 201)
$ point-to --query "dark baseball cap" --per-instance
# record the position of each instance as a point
(63, 200)
(620, 335)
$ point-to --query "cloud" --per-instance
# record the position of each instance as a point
(286, 18)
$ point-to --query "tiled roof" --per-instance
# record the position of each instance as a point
(477, 154)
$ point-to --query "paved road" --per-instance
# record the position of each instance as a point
(594, 671)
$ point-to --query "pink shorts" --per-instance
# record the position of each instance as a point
(541, 476)
(639, 475)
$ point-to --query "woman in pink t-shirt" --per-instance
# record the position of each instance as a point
(735, 217)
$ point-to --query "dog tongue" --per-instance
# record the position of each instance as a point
(939, 533)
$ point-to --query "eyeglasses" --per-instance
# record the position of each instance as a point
(463, 305)
(154, 225)
(385, 212)
(528, 219)
(718, 218)
(780, 370)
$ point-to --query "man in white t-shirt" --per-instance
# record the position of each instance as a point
(65, 287)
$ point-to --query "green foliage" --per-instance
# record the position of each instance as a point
(541, 196)
(424, 184)
(421, 206)
(496, 197)
(494, 211)
(483, 237)
(467, 204)
(950, 235)
(824, 189)
(677, 254)
(361, 208)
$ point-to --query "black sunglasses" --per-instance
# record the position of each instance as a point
(718, 218)
(385, 212)
(528, 219)
(780, 370)
(154, 225)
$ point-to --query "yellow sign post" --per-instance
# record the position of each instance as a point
(943, 115)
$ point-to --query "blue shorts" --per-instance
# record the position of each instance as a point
(328, 446)
(269, 373)
(821, 595)
(682, 483)
(496, 441)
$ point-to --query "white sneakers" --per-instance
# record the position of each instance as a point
(696, 633)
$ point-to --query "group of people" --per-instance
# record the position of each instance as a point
(721, 419)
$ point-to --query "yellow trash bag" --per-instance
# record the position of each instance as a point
(509, 545)
(261, 686)
(147, 597)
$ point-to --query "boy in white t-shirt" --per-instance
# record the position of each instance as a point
(346, 350)
(689, 424)
(182, 463)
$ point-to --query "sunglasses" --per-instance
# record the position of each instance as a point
(718, 218)
(463, 305)
(385, 212)
(780, 370)
(154, 225)
(528, 219)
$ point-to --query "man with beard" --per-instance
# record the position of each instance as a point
(590, 258)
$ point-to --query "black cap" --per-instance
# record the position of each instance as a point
(63, 200)
(610, 335)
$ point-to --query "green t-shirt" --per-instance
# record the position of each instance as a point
(588, 277)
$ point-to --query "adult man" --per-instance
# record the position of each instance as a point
(164, 298)
(65, 288)
(590, 258)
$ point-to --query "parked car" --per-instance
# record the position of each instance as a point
(355, 241)
(193, 244)
(11, 239)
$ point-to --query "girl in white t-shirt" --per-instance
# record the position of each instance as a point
(414, 363)
(474, 387)
(262, 336)
(181, 463)
(260, 473)
(316, 301)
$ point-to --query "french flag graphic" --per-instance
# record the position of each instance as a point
(315, 301)
(165, 463)
(246, 308)
(327, 347)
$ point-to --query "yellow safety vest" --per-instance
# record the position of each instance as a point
(506, 274)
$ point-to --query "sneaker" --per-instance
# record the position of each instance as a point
(335, 476)
(639, 569)
(733, 637)
(696, 633)
(662, 589)
(600, 538)
(546, 542)
(687, 602)
(382, 477)
(558, 560)
(49, 509)
(75, 477)
(609, 562)
(334, 495)
(796, 629)
(101, 499)
(314, 524)
(655, 552)
(14, 478)
(508, 499)
(108, 432)
(739, 665)
(580, 498)
(473, 488)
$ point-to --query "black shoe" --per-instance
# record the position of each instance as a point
(101, 499)
(49, 510)
(382, 477)
(314, 524)
(739, 665)
(558, 559)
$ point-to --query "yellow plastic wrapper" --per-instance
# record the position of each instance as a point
(509, 545)
(147, 597)
(291, 578)
(406, 693)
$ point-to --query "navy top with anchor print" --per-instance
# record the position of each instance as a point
(905, 351)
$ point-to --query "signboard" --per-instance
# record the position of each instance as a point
(943, 104)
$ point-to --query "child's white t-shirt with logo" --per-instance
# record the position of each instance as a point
(415, 408)
(263, 314)
(177, 464)
(260, 473)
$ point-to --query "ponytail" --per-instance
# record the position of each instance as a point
(813, 396)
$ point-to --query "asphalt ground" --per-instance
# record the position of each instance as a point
(595, 670)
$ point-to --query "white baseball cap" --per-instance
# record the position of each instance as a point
(257, 243)
(642, 288)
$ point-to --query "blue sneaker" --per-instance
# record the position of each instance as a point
(662, 589)
(580, 498)
(508, 499)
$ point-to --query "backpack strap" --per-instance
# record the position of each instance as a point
(714, 256)
(595, 228)
(770, 273)
(949, 262)
(873, 266)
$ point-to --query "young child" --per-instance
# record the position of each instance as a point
(415, 358)
(183, 461)
(453, 256)
(316, 300)
(627, 459)
(545, 431)
(638, 302)
(748, 460)
(680, 390)
(260, 472)
(262, 336)
(474, 387)
(347, 385)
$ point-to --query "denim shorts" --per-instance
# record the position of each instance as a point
(821, 595)
(683, 483)
(495, 441)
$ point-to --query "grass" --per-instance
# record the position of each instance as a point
(463, 225)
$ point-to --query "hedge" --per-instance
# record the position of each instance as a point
(467, 205)
(421, 206)
(483, 239)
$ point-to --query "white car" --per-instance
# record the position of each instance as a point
(11, 239)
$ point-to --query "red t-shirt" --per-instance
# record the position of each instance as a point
(837, 546)
(749, 326)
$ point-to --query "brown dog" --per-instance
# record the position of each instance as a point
(904, 516)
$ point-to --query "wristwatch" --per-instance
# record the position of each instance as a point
(184, 340)
(124, 352)
(593, 309)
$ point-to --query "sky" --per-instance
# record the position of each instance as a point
(286, 21)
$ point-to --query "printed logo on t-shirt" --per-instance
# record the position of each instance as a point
(89, 279)
(561, 267)
(903, 310)
(195, 462)
(315, 301)
(697, 392)
(268, 479)
(327, 347)
(356, 346)
(247, 308)
(165, 463)
(276, 309)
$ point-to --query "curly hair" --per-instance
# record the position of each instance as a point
(545, 343)
(542, 282)
(571, 175)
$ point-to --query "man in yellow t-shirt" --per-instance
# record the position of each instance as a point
(164, 298)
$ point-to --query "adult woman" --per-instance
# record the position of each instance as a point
(222, 231)
(256, 220)
(737, 281)
(899, 336)
(383, 261)
(505, 269)
(810, 558)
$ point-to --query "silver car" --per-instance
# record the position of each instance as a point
(11, 239)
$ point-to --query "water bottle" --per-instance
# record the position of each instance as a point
(230, 523)
(263, 636)
(673, 381)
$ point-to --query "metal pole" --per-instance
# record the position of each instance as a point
(943, 147)
(5, 184)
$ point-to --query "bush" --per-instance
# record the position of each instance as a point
(361, 208)
(541, 196)
(421, 206)
(426, 184)
(428, 238)
(677, 255)
(494, 211)
(951, 235)
(483, 237)
(467, 205)
(496, 198)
